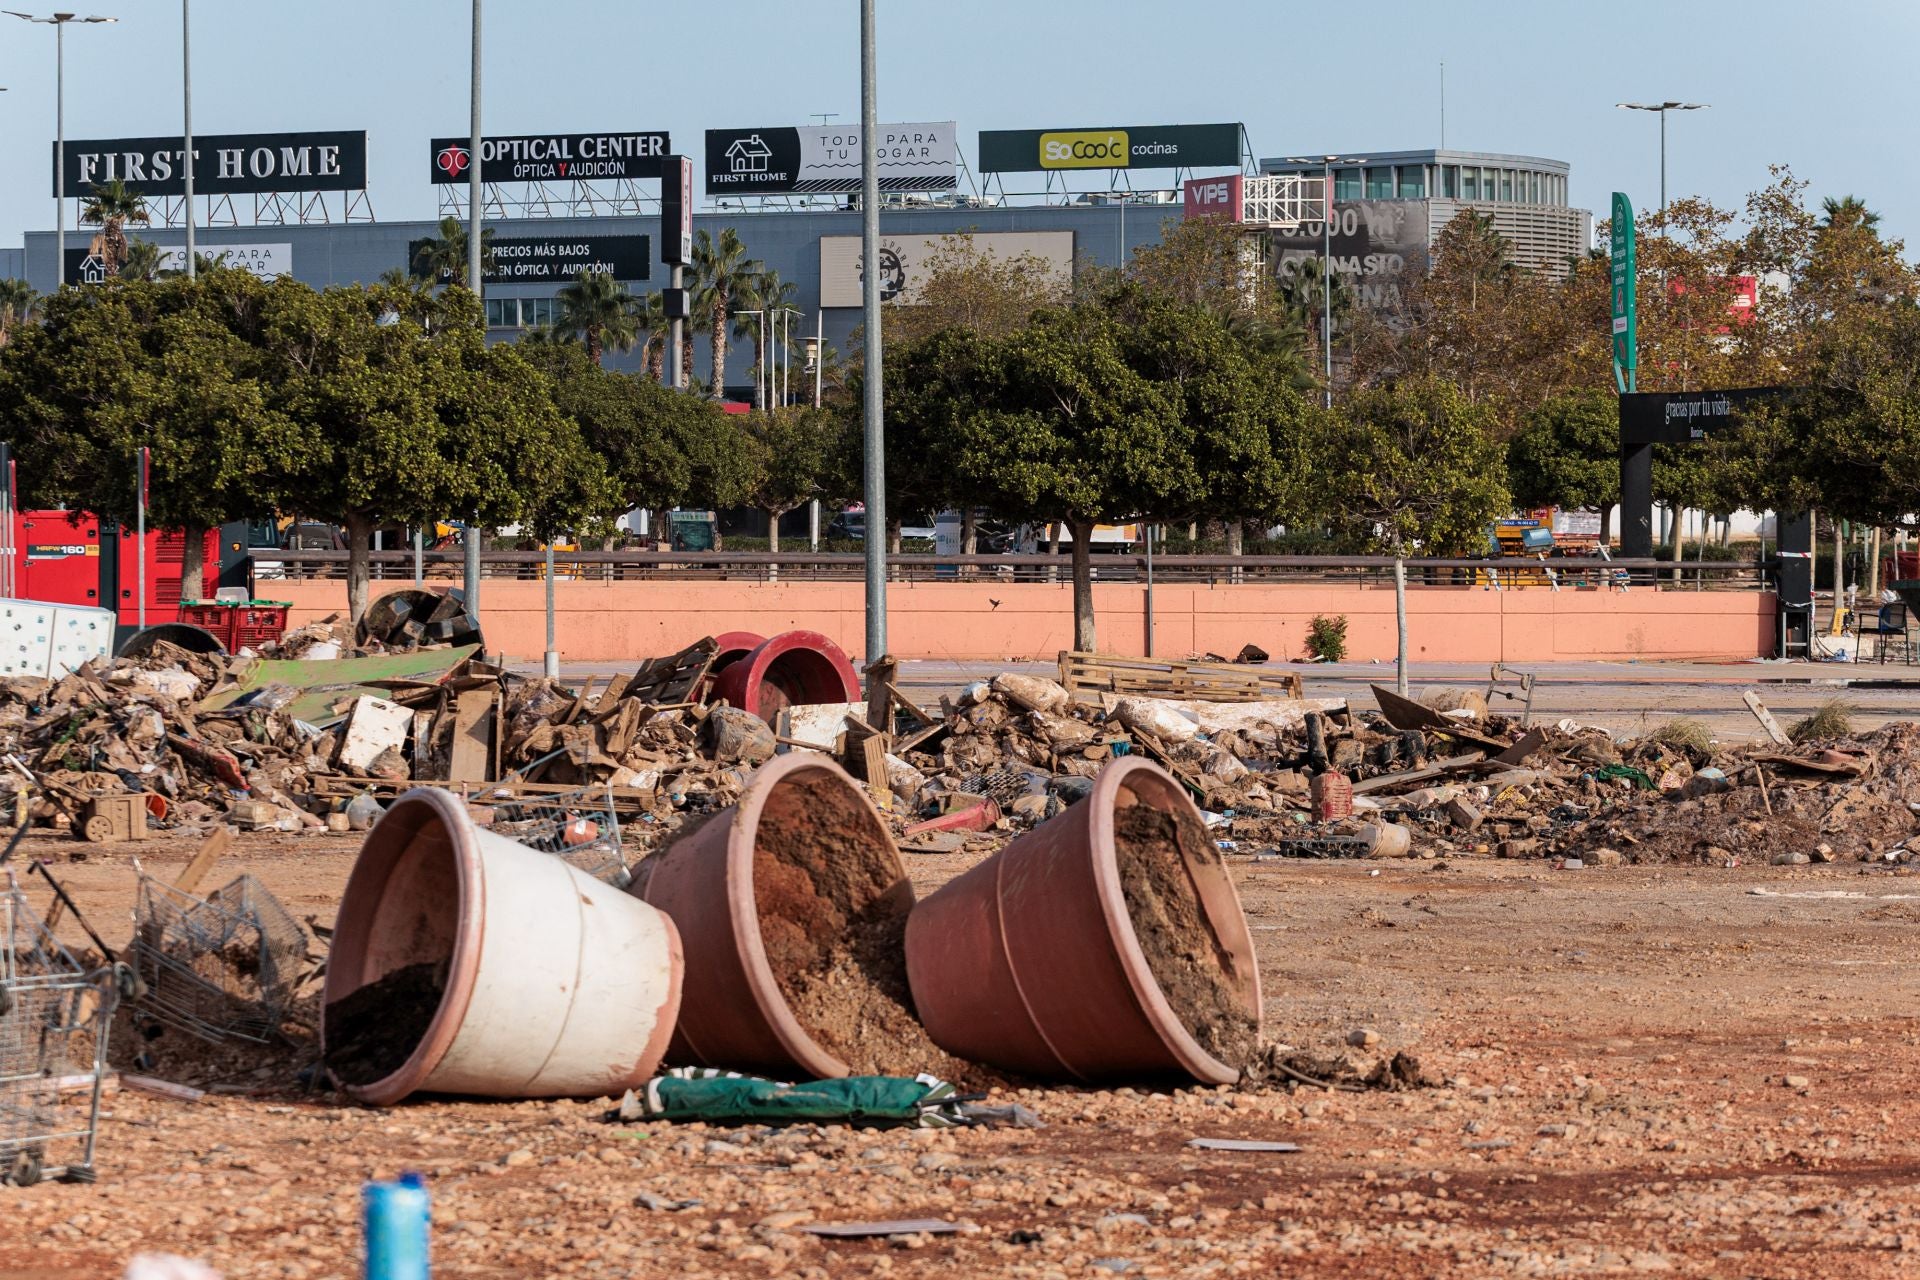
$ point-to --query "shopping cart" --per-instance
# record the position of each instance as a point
(54, 1017)
(220, 967)
(582, 827)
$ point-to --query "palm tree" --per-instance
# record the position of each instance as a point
(766, 293)
(113, 205)
(1848, 211)
(722, 268)
(443, 260)
(599, 308)
(19, 304)
(650, 318)
(142, 261)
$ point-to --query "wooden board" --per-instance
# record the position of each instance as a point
(1765, 717)
(675, 677)
(1097, 673)
(472, 758)
(209, 853)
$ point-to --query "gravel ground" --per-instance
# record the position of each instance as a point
(1685, 1070)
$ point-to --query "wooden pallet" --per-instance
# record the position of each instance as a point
(673, 678)
(1087, 675)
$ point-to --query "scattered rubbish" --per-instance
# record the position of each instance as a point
(720, 1097)
(1243, 1144)
(896, 1227)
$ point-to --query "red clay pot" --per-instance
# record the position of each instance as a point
(732, 647)
(732, 1014)
(793, 668)
(1029, 961)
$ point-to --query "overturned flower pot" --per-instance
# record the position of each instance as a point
(792, 669)
(1105, 944)
(465, 963)
(792, 905)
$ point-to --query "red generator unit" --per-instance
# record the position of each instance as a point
(57, 559)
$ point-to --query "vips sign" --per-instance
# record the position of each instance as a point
(1222, 198)
(226, 164)
(84, 266)
(1176, 146)
(559, 259)
(566, 157)
(903, 261)
(783, 161)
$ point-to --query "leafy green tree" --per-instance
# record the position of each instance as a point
(1416, 465)
(443, 259)
(1066, 429)
(601, 310)
(1568, 454)
(404, 424)
(19, 304)
(797, 448)
(143, 261)
(723, 271)
(176, 372)
(111, 206)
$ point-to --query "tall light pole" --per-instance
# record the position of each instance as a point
(58, 22)
(1326, 260)
(1660, 109)
(186, 120)
(470, 539)
(872, 411)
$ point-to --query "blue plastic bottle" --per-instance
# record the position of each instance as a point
(396, 1219)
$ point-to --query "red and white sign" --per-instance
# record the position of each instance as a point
(1216, 197)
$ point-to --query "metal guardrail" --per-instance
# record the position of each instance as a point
(1108, 567)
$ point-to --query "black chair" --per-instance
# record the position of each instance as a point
(1891, 628)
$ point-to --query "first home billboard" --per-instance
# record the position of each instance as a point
(1160, 146)
(826, 159)
(552, 157)
(223, 164)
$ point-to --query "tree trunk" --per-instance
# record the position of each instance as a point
(1679, 548)
(893, 542)
(1053, 549)
(718, 341)
(759, 378)
(969, 538)
(593, 343)
(1400, 624)
(1606, 526)
(1236, 542)
(686, 357)
(1083, 637)
(1873, 567)
(1839, 573)
(773, 530)
(359, 537)
(193, 564)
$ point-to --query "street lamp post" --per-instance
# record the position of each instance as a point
(1660, 109)
(875, 468)
(58, 22)
(470, 540)
(1326, 261)
(186, 122)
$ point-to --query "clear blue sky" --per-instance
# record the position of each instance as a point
(1833, 91)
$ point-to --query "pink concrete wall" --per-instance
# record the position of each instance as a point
(618, 621)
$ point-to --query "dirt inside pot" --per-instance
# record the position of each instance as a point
(834, 935)
(372, 1032)
(1184, 953)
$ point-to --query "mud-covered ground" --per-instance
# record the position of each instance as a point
(1681, 1069)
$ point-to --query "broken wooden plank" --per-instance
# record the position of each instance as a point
(210, 851)
(1530, 742)
(471, 759)
(880, 676)
(1765, 717)
(1094, 673)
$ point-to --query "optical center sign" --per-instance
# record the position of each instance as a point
(782, 161)
(560, 157)
(223, 164)
(1170, 146)
(560, 259)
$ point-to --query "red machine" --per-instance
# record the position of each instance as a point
(56, 557)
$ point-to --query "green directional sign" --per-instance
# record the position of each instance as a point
(1625, 308)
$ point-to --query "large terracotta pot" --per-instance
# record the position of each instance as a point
(734, 1014)
(1029, 961)
(730, 647)
(793, 668)
(555, 985)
